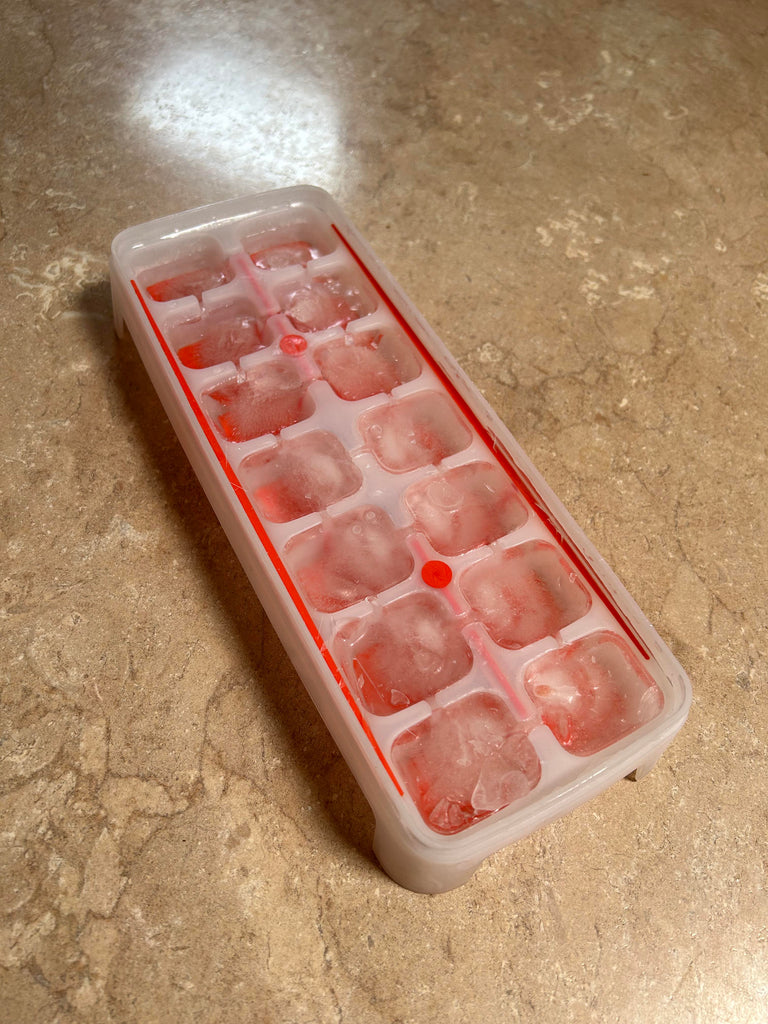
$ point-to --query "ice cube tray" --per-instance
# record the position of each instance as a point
(479, 666)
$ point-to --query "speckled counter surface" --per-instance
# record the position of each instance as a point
(576, 196)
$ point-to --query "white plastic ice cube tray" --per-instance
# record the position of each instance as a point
(479, 666)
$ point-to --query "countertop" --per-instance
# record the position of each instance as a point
(576, 197)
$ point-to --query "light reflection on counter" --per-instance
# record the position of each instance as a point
(261, 123)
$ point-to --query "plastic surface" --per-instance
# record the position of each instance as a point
(479, 666)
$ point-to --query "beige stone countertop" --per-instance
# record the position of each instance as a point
(575, 194)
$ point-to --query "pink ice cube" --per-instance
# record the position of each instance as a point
(351, 557)
(324, 303)
(465, 507)
(226, 339)
(271, 397)
(367, 364)
(592, 692)
(303, 475)
(466, 761)
(405, 652)
(287, 254)
(191, 282)
(413, 432)
(525, 593)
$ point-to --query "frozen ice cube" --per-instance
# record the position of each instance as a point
(465, 762)
(465, 507)
(191, 282)
(287, 254)
(592, 692)
(303, 475)
(351, 557)
(524, 593)
(367, 364)
(414, 431)
(227, 338)
(271, 396)
(324, 303)
(406, 652)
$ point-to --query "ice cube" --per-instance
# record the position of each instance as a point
(271, 397)
(351, 557)
(465, 507)
(465, 762)
(592, 693)
(407, 651)
(524, 593)
(324, 303)
(288, 254)
(191, 282)
(303, 475)
(367, 364)
(414, 432)
(226, 339)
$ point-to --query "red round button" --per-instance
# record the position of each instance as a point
(436, 574)
(293, 344)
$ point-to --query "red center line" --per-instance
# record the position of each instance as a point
(263, 536)
(517, 476)
(244, 264)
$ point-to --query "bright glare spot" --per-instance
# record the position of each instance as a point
(247, 119)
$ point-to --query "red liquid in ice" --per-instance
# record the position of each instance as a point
(592, 693)
(414, 432)
(406, 652)
(524, 594)
(323, 303)
(354, 556)
(465, 762)
(266, 401)
(303, 475)
(193, 282)
(466, 507)
(289, 254)
(227, 341)
(369, 364)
